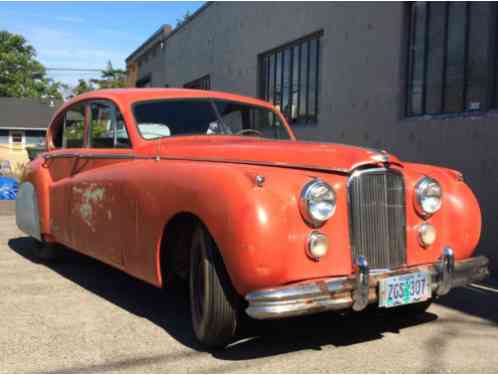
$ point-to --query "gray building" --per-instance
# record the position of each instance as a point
(417, 79)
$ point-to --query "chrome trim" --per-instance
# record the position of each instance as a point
(88, 156)
(27, 213)
(337, 293)
(381, 158)
(421, 228)
(420, 186)
(357, 173)
(308, 244)
(260, 180)
(447, 268)
(360, 294)
(304, 202)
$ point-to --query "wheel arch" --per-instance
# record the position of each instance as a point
(177, 235)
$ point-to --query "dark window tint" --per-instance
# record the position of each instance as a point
(289, 78)
(74, 127)
(170, 118)
(450, 57)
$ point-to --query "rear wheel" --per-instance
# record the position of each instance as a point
(212, 299)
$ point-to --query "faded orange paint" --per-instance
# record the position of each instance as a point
(116, 209)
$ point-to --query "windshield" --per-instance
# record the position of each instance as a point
(169, 118)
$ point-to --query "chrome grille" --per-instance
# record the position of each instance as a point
(377, 217)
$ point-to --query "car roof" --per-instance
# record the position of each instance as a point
(128, 96)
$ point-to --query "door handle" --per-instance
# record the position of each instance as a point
(75, 164)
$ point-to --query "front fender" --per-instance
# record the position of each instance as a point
(458, 222)
(258, 229)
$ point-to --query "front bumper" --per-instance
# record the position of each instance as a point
(356, 292)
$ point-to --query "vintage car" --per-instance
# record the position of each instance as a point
(213, 189)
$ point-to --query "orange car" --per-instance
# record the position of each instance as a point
(214, 188)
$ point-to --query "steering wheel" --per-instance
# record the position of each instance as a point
(249, 131)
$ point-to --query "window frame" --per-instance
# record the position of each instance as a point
(265, 82)
(16, 132)
(201, 83)
(114, 111)
(144, 81)
(212, 101)
(85, 125)
(489, 100)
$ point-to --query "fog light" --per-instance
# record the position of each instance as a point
(317, 246)
(426, 234)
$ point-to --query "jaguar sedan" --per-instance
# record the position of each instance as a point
(173, 185)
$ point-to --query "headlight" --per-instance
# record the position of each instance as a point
(428, 196)
(317, 203)
(317, 246)
(426, 234)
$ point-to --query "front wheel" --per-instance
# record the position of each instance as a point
(212, 299)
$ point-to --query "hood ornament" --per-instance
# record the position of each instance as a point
(381, 157)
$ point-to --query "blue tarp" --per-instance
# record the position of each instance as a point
(8, 188)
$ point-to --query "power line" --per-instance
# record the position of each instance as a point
(75, 70)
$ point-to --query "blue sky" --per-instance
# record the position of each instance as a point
(88, 34)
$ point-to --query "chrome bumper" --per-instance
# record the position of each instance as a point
(342, 293)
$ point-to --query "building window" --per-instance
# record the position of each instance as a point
(289, 78)
(144, 81)
(17, 137)
(203, 83)
(451, 64)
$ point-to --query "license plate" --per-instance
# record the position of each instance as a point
(405, 289)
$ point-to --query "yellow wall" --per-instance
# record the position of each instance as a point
(17, 155)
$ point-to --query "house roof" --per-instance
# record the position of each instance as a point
(26, 113)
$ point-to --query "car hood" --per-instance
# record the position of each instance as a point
(291, 154)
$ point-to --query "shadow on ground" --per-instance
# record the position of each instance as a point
(170, 310)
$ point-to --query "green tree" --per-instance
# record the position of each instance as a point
(21, 75)
(111, 78)
(82, 87)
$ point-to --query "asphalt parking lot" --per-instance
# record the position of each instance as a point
(78, 315)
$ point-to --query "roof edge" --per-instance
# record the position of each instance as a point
(137, 51)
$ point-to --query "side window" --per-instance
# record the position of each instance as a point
(107, 128)
(74, 127)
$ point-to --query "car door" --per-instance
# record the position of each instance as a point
(68, 140)
(102, 219)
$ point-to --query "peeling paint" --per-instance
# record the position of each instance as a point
(90, 196)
